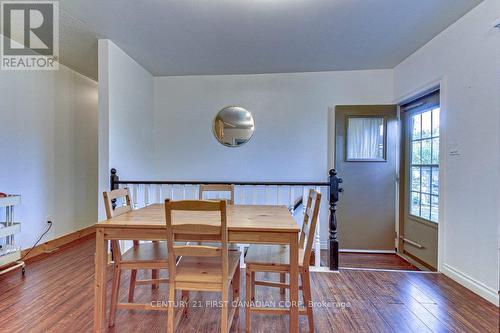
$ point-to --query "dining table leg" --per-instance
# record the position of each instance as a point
(294, 283)
(101, 259)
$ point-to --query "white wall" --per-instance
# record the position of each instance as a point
(126, 117)
(466, 56)
(291, 124)
(281, 105)
(48, 149)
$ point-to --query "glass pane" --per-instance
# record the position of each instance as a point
(415, 179)
(426, 124)
(416, 126)
(435, 151)
(435, 181)
(415, 153)
(425, 207)
(365, 138)
(426, 180)
(435, 121)
(415, 204)
(426, 151)
(434, 208)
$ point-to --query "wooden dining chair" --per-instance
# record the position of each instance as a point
(220, 188)
(152, 255)
(201, 267)
(208, 188)
(276, 259)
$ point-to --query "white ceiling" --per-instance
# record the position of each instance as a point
(194, 37)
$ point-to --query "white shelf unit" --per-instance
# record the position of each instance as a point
(10, 252)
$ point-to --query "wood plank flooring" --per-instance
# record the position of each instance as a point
(57, 296)
(370, 260)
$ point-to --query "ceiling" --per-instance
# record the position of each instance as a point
(197, 37)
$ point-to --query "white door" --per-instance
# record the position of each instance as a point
(420, 180)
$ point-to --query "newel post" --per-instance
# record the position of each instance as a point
(333, 243)
(113, 184)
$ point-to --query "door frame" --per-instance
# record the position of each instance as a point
(439, 83)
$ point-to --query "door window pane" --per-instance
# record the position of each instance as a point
(426, 151)
(434, 208)
(424, 164)
(365, 138)
(416, 126)
(426, 180)
(416, 149)
(435, 122)
(425, 206)
(435, 180)
(415, 179)
(415, 203)
(435, 151)
(426, 124)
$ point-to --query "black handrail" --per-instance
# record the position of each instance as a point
(222, 182)
(332, 184)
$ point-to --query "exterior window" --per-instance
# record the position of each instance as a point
(424, 165)
(365, 138)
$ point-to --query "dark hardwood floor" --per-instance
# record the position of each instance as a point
(57, 296)
(370, 260)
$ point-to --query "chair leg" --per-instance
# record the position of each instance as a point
(282, 280)
(236, 291)
(248, 302)
(114, 295)
(306, 292)
(131, 290)
(171, 306)
(252, 280)
(224, 312)
(154, 275)
(185, 297)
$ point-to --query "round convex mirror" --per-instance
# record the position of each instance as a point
(233, 126)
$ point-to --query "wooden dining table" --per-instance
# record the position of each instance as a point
(247, 224)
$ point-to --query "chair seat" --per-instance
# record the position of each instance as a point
(147, 252)
(205, 269)
(271, 255)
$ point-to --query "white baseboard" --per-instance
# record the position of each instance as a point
(324, 246)
(472, 284)
(368, 251)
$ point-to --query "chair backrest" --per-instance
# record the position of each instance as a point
(117, 194)
(309, 223)
(218, 188)
(196, 230)
(126, 206)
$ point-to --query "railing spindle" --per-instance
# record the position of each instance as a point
(146, 195)
(135, 194)
(317, 243)
(158, 193)
(243, 194)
